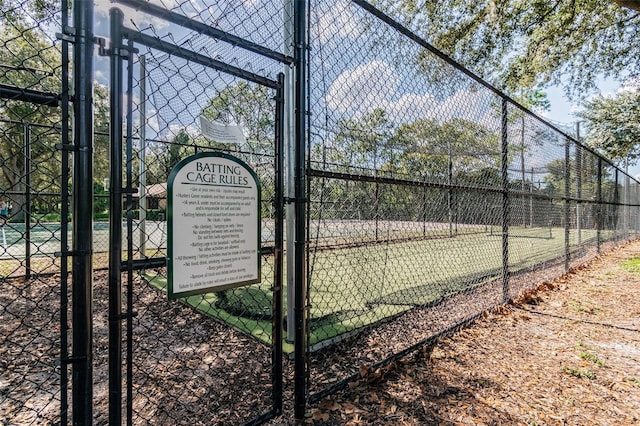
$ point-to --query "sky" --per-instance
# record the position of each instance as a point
(563, 110)
(340, 22)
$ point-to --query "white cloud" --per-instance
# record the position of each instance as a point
(467, 105)
(175, 129)
(409, 107)
(376, 85)
(356, 90)
(630, 85)
(101, 76)
(339, 21)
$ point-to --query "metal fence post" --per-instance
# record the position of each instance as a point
(129, 208)
(531, 199)
(636, 201)
(376, 203)
(579, 193)
(115, 220)
(579, 183)
(26, 208)
(616, 207)
(300, 362)
(142, 179)
(627, 201)
(505, 202)
(567, 195)
(523, 177)
(82, 281)
(279, 247)
(598, 204)
(64, 224)
(289, 137)
(449, 190)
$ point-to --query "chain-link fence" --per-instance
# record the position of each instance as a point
(433, 197)
(34, 203)
(422, 198)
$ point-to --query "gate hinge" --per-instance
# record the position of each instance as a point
(73, 253)
(68, 34)
(102, 50)
(65, 147)
(69, 360)
(122, 51)
(122, 316)
(72, 147)
(291, 200)
(66, 37)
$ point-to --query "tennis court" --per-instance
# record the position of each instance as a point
(356, 285)
(43, 239)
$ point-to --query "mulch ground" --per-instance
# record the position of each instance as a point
(565, 354)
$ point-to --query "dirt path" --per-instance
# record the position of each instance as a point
(566, 354)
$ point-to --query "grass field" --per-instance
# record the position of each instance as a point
(358, 286)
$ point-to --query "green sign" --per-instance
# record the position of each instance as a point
(213, 225)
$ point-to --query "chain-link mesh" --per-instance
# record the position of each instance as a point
(32, 178)
(432, 198)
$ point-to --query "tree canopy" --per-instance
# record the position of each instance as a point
(520, 45)
(614, 126)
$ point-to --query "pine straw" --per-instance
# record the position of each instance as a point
(567, 353)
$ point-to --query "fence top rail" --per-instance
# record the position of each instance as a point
(201, 28)
(189, 55)
(31, 124)
(29, 95)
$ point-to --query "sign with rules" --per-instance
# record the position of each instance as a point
(214, 225)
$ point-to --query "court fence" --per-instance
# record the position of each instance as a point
(402, 197)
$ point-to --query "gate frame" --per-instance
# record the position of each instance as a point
(119, 53)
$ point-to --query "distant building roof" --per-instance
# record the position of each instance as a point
(158, 190)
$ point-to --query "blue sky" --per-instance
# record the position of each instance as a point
(563, 110)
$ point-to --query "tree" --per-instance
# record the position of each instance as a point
(249, 106)
(455, 149)
(20, 11)
(520, 44)
(365, 141)
(101, 132)
(29, 61)
(614, 124)
(362, 145)
(163, 156)
(454, 152)
(631, 4)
